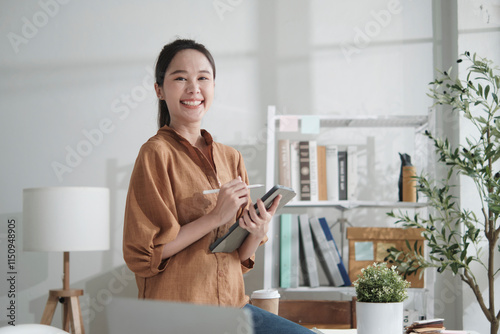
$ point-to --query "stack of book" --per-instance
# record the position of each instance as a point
(306, 241)
(318, 172)
(430, 326)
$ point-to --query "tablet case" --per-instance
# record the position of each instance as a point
(236, 235)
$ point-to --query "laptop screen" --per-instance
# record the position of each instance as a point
(138, 316)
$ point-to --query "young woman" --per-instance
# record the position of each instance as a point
(169, 222)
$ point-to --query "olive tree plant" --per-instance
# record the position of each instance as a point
(458, 238)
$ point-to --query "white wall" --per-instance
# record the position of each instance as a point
(69, 67)
(479, 31)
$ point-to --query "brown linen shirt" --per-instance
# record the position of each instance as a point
(165, 192)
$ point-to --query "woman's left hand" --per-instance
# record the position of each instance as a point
(258, 224)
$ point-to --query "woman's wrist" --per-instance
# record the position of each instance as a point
(214, 219)
(257, 236)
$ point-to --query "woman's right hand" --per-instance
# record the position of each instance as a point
(232, 196)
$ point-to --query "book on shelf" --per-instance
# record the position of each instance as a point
(325, 254)
(318, 172)
(305, 172)
(332, 172)
(346, 281)
(342, 157)
(322, 170)
(284, 163)
(295, 262)
(285, 249)
(307, 257)
(295, 168)
(313, 170)
(352, 172)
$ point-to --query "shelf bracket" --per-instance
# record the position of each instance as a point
(342, 221)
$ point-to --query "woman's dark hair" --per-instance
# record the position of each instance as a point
(166, 55)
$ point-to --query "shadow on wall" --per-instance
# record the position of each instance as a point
(100, 291)
(118, 177)
(22, 271)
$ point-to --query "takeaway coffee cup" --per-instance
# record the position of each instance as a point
(266, 299)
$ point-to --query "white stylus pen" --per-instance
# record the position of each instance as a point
(213, 191)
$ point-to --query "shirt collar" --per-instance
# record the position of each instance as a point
(172, 133)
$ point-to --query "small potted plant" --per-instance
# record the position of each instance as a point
(380, 292)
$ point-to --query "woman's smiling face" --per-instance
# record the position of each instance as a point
(188, 88)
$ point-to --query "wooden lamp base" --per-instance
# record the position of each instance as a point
(72, 315)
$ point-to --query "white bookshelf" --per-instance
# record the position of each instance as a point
(418, 124)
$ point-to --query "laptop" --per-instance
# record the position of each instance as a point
(139, 316)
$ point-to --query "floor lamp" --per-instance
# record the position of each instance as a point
(65, 219)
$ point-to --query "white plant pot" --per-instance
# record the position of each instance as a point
(379, 318)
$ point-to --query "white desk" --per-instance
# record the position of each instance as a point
(338, 331)
(354, 331)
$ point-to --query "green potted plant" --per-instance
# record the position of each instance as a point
(380, 292)
(458, 238)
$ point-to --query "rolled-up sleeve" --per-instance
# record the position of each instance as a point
(150, 217)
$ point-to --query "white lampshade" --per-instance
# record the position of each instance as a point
(65, 219)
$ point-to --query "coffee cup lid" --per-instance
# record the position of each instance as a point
(265, 294)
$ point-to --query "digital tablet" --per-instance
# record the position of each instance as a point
(236, 235)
